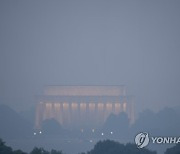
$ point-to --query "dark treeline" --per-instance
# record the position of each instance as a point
(163, 123)
(113, 147)
(4, 149)
(101, 147)
(115, 127)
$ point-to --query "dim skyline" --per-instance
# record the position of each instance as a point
(132, 43)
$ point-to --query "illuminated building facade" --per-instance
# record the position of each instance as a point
(82, 106)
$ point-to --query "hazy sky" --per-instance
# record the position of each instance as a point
(135, 43)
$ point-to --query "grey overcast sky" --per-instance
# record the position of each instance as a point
(135, 43)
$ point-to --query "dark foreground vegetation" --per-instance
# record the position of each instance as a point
(4, 149)
(112, 147)
(102, 147)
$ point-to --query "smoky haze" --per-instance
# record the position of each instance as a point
(135, 43)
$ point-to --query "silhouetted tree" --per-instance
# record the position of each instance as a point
(42, 151)
(112, 147)
(8, 129)
(132, 149)
(155, 124)
(2, 143)
(56, 152)
(39, 151)
(5, 149)
(119, 124)
(174, 150)
(51, 127)
(18, 152)
(8, 150)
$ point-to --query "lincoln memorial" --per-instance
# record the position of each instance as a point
(82, 106)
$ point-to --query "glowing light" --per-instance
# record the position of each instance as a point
(83, 106)
(48, 105)
(109, 106)
(111, 133)
(117, 108)
(65, 106)
(91, 106)
(74, 106)
(100, 106)
(57, 106)
(124, 106)
(40, 132)
(102, 134)
(79, 107)
(34, 133)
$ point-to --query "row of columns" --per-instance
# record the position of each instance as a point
(80, 114)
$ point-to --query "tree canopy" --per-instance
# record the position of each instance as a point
(113, 147)
(173, 150)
